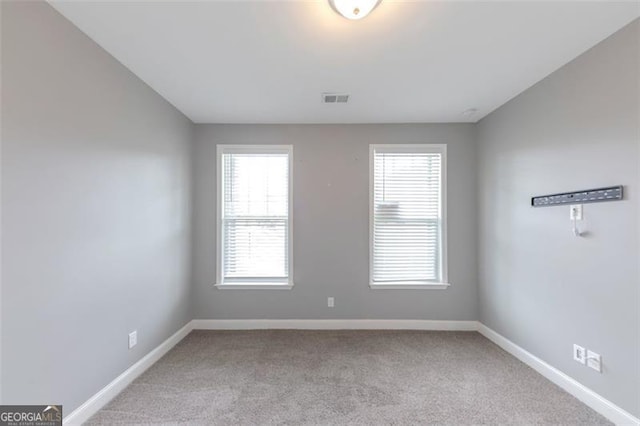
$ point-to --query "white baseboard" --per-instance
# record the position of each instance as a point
(602, 405)
(332, 324)
(106, 394)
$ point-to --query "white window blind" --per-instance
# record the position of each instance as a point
(407, 215)
(254, 209)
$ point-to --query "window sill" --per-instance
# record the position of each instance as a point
(409, 286)
(254, 286)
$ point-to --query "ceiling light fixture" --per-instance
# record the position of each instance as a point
(354, 9)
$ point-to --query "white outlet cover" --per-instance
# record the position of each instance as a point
(330, 302)
(575, 212)
(594, 361)
(133, 339)
(579, 354)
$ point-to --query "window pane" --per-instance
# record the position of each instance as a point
(255, 216)
(255, 248)
(407, 222)
(256, 184)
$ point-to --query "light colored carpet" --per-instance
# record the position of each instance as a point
(342, 377)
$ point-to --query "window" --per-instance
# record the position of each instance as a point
(407, 216)
(254, 216)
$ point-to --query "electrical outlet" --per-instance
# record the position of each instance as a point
(594, 361)
(579, 354)
(133, 339)
(330, 302)
(575, 212)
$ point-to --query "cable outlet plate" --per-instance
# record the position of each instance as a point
(579, 354)
(575, 212)
(594, 361)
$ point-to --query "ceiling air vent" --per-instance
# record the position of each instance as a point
(335, 98)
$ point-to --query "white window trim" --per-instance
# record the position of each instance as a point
(429, 148)
(259, 149)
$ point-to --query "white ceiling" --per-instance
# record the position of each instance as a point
(409, 61)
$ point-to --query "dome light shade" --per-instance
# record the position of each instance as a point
(354, 9)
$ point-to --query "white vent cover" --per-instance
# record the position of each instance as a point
(335, 98)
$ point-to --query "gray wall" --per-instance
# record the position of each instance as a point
(330, 225)
(95, 212)
(541, 287)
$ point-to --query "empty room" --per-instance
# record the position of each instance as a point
(319, 212)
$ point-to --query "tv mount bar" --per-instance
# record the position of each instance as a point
(598, 195)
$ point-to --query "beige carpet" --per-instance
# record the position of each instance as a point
(342, 377)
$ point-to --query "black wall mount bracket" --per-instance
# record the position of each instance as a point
(598, 195)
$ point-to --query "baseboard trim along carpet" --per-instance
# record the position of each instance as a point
(106, 394)
(333, 324)
(584, 394)
(593, 400)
